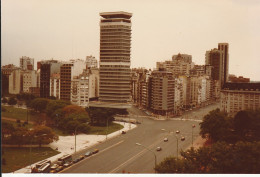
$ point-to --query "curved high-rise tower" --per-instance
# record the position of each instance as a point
(115, 44)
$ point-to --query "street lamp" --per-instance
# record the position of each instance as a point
(193, 126)
(155, 163)
(31, 148)
(75, 133)
(107, 128)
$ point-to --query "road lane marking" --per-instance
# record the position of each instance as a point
(92, 155)
(132, 158)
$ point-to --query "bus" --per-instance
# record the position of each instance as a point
(45, 168)
(39, 164)
(64, 159)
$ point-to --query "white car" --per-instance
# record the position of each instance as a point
(165, 139)
(158, 149)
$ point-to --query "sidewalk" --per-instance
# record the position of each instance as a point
(66, 144)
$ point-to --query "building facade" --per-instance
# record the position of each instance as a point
(67, 72)
(240, 96)
(29, 80)
(26, 63)
(162, 92)
(115, 45)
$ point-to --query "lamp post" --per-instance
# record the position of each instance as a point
(107, 129)
(75, 133)
(155, 159)
(31, 148)
(176, 136)
(193, 126)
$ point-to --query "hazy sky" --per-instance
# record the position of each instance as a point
(66, 29)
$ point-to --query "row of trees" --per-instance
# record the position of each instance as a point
(244, 126)
(10, 101)
(235, 148)
(221, 157)
(21, 135)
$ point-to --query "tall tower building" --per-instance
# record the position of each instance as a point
(115, 44)
(26, 63)
(224, 48)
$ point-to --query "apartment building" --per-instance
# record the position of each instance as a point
(180, 64)
(55, 85)
(91, 62)
(240, 96)
(26, 63)
(162, 92)
(47, 68)
(16, 81)
(67, 72)
(29, 80)
(6, 71)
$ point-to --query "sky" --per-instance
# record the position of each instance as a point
(69, 29)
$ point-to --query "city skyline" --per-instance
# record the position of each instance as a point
(64, 30)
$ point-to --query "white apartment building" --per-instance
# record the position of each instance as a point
(15, 82)
(91, 62)
(29, 80)
(55, 85)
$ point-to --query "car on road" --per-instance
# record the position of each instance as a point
(89, 153)
(182, 138)
(158, 149)
(165, 139)
(59, 168)
(67, 164)
(54, 166)
(123, 132)
(76, 160)
(81, 157)
(95, 151)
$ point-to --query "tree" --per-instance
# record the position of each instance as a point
(247, 125)
(215, 126)
(44, 135)
(39, 104)
(20, 136)
(70, 109)
(55, 105)
(12, 101)
(7, 130)
(242, 157)
(99, 116)
(4, 100)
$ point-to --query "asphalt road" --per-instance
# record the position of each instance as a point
(122, 155)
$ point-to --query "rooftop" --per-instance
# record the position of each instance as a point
(119, 14)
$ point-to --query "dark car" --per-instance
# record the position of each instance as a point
(89, 153)
(123, 132)
(95, 151)
(76, 160)
(59, 168)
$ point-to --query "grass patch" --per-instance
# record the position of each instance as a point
(19, 113)
(17, 158)
(98, 130)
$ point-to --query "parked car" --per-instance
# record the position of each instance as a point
(54, 166)
(158, 149)
(59, 168)
(182, 138)
(89, 153)
(95, 151)
(67, 164)
(76, 160)
(81, 157)
(123, 132)
(165, 139)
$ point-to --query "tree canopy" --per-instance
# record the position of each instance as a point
(242, 157)
(39, 104)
